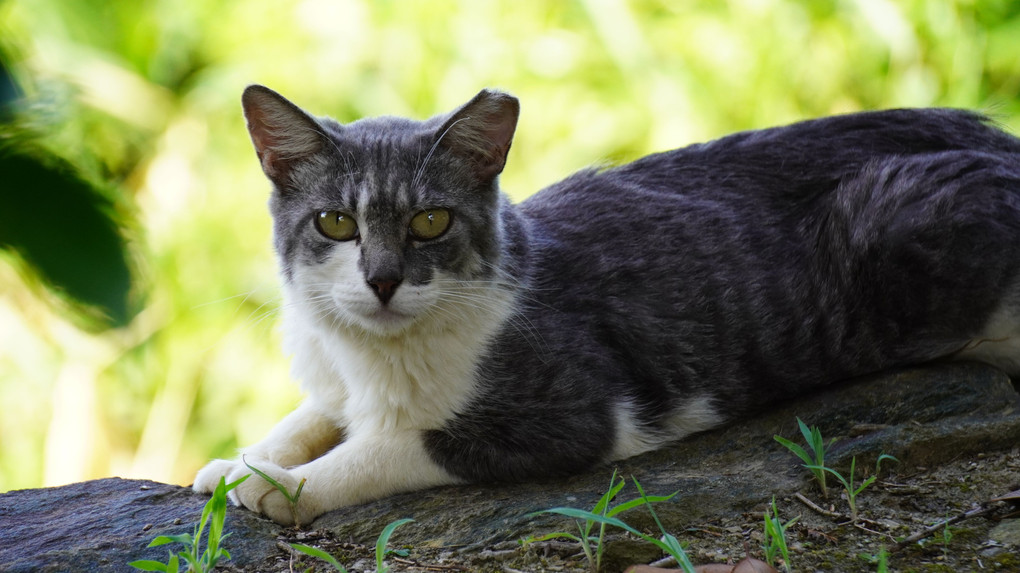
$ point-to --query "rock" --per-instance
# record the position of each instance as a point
(103, 525)
(1006, 533)
(923, 416)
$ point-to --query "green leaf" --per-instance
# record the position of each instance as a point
(384, 538)
(796, 449)
(669, 544)
(68, 232)
(148, 565)
(639, 502)
(319, 554)
(838, 475)
(548, 536)
(184, 538)
(881, 458)
(883, 561)
(234, 484)
(218, 511)
(614, 488)
(583, 514)
(810, 435)
(292, 498)
(865, 484)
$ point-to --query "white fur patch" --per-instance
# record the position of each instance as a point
(695, 415)
(407, 365)
(999, 344)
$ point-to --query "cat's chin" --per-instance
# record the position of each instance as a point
(385, 321)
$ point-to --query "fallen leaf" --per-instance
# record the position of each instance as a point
(747, 565)
(713, 568)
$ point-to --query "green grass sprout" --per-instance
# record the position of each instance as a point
(380, 549)
(883, 561)
(818, 447)
(319, 554)
(586, 539)
(605, 515)
(848, 484)
(384, 538)
(214, 514)
(775, 537)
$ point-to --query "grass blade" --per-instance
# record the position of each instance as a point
(795, 448)
(639, 502)
(384, 538)
(279, 486)
(548, 536)
(319, 554)
(148, 565)
(184, 538)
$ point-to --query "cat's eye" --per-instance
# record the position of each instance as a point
(336, 225)
(429, 224)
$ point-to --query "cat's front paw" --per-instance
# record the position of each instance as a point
(257, 494)
(209, 476)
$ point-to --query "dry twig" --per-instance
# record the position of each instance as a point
(984, 509)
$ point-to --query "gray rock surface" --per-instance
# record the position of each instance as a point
(922, 416)
(102, 525)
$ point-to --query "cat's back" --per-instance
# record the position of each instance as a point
(711, 238)
(746, 184)
(788, 160)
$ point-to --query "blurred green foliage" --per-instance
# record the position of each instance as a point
(139, 99)
(65, 230)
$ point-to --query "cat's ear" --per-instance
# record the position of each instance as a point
(482, 131)
(281, 132)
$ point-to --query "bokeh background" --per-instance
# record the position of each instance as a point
(138, 293)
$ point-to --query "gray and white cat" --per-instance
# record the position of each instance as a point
(444, 335)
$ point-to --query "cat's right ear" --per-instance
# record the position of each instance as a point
(280, 131)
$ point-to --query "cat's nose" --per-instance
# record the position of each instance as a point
(384, 289)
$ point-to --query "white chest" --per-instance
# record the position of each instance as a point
(418, 379)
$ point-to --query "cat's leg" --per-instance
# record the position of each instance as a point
(362, 468)
(302, 436)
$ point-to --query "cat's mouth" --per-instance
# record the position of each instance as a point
(385, 318)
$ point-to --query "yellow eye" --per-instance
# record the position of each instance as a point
(429, 224)
(337, 225)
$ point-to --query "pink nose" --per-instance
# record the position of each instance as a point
(384, 289)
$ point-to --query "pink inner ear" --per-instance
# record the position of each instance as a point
(265, 144)
(484, 130)
(261, 139)
(279, 130)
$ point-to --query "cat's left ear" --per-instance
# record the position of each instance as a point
(281, 132)
(482, 130)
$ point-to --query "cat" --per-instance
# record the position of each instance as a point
(445, 335)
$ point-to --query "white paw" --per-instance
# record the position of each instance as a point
(259, 495)
(209, 477)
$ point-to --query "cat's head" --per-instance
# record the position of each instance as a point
(384, 222)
